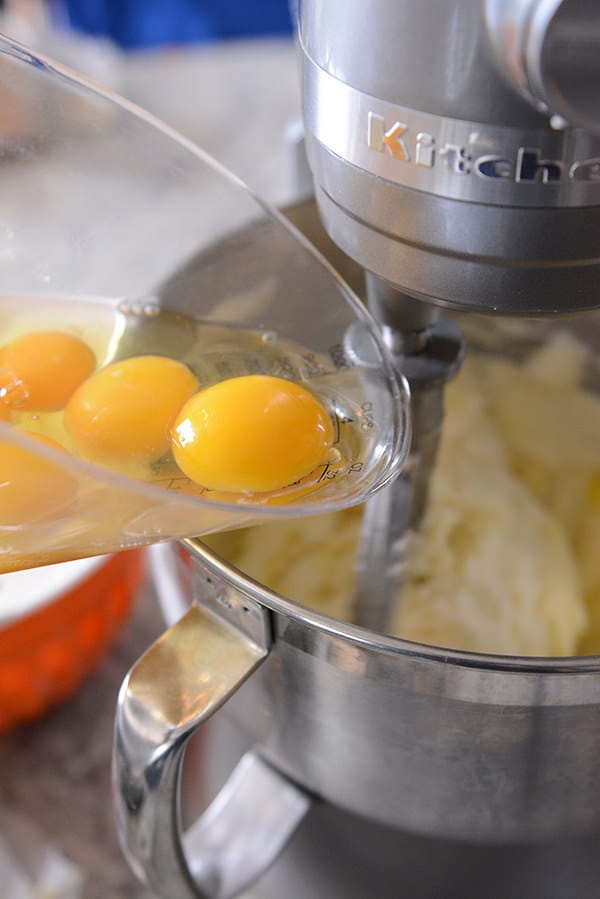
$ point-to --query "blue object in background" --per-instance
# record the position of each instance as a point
(153, 23)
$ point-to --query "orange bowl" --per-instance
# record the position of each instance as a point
(61, 633)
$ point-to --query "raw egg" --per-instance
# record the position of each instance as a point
(32, 488)
(251, 434)
(123, 413)
(40, 370)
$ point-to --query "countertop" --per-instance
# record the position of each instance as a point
(55, 773)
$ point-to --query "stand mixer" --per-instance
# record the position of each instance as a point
(456, 159)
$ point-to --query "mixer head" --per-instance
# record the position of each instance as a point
(456, 146)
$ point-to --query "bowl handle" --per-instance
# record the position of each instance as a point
(189, 672)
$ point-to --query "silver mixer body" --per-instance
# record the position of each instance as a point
(455, 146)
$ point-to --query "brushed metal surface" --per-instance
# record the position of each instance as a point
(438, 174)
(339, 855)
(443, 743)
(464, 160)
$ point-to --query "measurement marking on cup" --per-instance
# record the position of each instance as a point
(336, 426)
(338, 356)
(367, 415)
(283, 367)
(328, 475)
(312, 367)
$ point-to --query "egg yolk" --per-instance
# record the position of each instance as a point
(251, 434)
(32, 488)
(40, 370)
(4, 411)
(123, 413)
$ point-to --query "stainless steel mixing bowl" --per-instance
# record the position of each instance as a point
(439, 742)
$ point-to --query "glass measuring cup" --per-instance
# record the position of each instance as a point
(117, 230)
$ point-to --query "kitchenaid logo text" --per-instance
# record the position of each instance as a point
(527, 166)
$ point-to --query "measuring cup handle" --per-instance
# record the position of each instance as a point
(179, 682)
